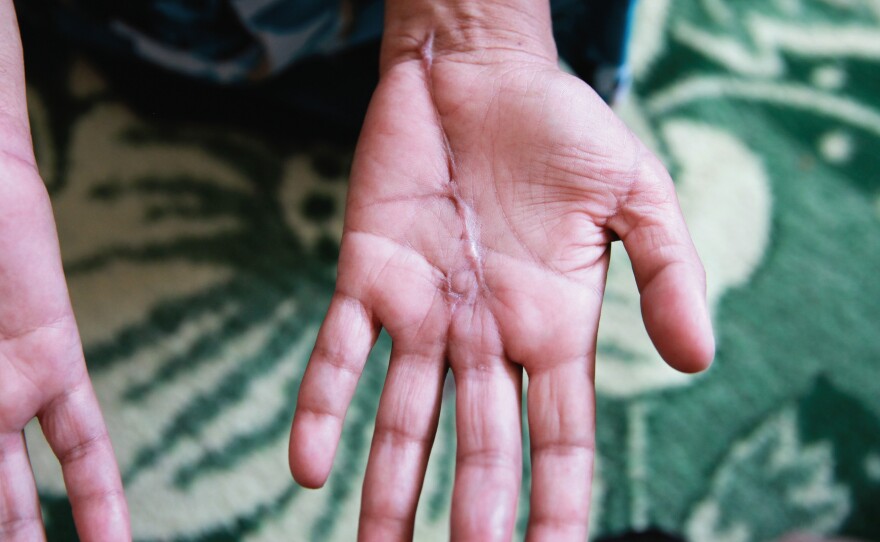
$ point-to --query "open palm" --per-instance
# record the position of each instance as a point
(43, 374)
(483, 202)
(42, 370)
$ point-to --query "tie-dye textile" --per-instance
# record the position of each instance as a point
(233, 41)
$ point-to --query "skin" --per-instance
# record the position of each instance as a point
(486, 191)
(42, 370)
(507, 181)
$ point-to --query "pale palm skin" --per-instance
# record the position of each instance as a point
(484, 198)
(42, 370)
(485, 194)
(43, 373)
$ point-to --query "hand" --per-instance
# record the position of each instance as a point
(486, 191)
(42, 371)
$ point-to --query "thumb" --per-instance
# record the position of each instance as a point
(668, 271)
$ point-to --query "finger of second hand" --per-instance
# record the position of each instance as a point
(75, 430)
(405, 427)
(488, 466)
(561, 416)
(20, 517)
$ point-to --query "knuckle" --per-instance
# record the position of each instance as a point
(489, 459)
(335, 358)
(399, 435)
(378, 512)
(319, 410)
(564, 448)
(572, 526)
(20, 527)
(654, 183)
(83, 448)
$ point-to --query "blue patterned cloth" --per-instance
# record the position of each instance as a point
(235, 41)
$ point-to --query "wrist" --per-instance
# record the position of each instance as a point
(473, 31)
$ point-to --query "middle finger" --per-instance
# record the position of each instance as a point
(489, 457)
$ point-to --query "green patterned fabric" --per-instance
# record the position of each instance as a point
(200, 261)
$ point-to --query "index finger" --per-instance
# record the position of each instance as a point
(75, 430)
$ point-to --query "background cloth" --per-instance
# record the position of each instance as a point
(200, 257)
(240, 41)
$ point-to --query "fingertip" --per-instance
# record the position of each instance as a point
(677, 320)
(697, 358)
(312, 450)
(309, 478)
(305, 475)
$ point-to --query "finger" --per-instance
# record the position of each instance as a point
(405, 427)
(341, 349)
(668, 270)
(75, 430)
(561, 430)
(489, 456)
(20, 518)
